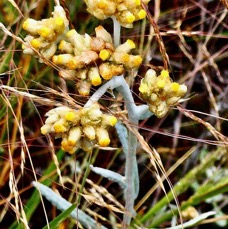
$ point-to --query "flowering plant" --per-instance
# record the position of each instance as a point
(100, 61)
(89, 107)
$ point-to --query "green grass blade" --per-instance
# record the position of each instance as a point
(55, 223)
(184, 183)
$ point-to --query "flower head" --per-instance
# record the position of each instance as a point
(94, 59)
(45, 34)
(160, 92)
(81, 128)
(125, 11)
(87, 60)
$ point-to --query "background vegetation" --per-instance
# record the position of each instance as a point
(190, 140)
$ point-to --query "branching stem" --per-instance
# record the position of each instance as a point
(134, 113)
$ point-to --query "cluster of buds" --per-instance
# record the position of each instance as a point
(125, 11)
(160, 92)
(90, 60)
(44, 35)
(81, 128)
(82, 58)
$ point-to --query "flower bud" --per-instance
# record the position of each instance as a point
(67, 60)
(82, 74)
(68, 74)
(80, 43)
(59, 25)
(87, 145)
(108, 120)
(68, 147)
(52, 118)
(134, 62)
(141, 15)
(173, 100)
(103, 34)
(49, 51)
(65, 46)
(182, 90)
(74, 135)
(103, 137)
(144, 89)
(108, 70)
(94, 76)
(61, 111)
(104, 54)
(88, 57)
(94, 112)
(60, 18)
(60, 126)
(31, 25)
(97, 44)
(47, 128)
(164, 74)
(83, 87)
(89, 132)
(126, 18)
(126, 47)
(45, 32)
(73, 116)
(35, 43)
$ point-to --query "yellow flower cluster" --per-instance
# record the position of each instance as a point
(125, 11)
(85, 59)
(90, 60)
(160, 92)
(45, 34)
(81, 128)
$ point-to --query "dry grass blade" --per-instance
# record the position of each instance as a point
(95, 195)
(16, 6)
(222, 53)
(42, 100)
(172, 169)
(12, 179)
(106, 194)
(158, 36)
(213, 131)
(156, 163)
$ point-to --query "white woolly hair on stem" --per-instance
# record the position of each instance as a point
(134, 114)
(120, 84)
(63, 205)
(57, 3)
(116, 31)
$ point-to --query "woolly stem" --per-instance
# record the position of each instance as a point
(116, 31)
(57, 3)
(135, 113)
(119, 83)
(63, 204)
(132, 178)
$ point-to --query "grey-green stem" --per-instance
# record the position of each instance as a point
(116, 31)
(134, 113)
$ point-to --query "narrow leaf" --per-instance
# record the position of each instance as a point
(63, 204)
(113, 176)
(55, 223)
